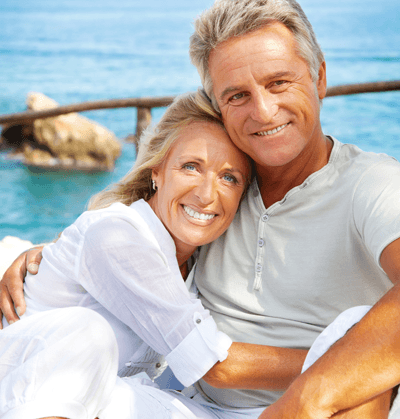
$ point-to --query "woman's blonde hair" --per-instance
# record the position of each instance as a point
(154, 146)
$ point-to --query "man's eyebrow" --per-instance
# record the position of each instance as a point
(272, 76)
(229, 90)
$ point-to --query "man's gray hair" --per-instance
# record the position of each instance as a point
(229, 18)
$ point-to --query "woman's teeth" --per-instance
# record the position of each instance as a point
(197, 215)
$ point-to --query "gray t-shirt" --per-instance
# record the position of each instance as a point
(280, 275)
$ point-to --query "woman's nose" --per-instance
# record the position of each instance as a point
(206, 190)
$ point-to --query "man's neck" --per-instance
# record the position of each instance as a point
(275, 182)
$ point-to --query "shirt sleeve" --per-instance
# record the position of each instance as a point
(129, 275)
(376, 206)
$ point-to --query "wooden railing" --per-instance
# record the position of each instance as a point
(145, 104)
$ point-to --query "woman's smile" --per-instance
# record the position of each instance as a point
(199, 185)
(197, 215)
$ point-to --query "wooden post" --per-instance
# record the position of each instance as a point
(143, 120)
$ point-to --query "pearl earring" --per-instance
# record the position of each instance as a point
(153, 183)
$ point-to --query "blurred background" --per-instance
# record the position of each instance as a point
(83, 50)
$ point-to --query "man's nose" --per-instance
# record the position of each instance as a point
(264, 107)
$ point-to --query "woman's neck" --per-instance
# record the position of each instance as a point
(183, 250)
(182, 258)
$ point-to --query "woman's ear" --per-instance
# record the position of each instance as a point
(155, 177)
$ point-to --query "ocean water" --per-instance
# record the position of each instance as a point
(80, 50)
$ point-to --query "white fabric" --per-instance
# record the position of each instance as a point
(61, 362)
(121, 262)
(335, 331)
(10, 248)
(68, 368)
(280, 275)
(138, 398)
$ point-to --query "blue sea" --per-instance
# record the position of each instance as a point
(81, 50)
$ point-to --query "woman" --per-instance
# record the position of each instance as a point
(126, 256)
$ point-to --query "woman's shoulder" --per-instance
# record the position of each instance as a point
(117, 211)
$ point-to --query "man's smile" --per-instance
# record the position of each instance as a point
(272, 131)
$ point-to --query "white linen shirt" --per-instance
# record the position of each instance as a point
(121, 262)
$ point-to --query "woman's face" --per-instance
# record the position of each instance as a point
(199, 185)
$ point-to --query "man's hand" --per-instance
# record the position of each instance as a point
(12, 302)
(293, 406)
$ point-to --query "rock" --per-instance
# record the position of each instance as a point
(67, 141)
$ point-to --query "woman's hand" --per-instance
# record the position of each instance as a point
(12, 301)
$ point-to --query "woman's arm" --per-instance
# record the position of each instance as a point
(247, 366)
(12, 302)
(136, 278)
(251, 366)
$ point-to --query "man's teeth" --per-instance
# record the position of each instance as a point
(272, 131)
(197, 215)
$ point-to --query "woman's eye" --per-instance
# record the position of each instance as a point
(230, 178)
(189, 166)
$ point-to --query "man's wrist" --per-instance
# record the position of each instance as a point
(310, 396)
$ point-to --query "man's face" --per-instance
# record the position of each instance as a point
(268, 101)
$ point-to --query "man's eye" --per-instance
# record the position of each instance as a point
(236, 97)
(280, 82)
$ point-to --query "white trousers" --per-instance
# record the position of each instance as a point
(47, 359)
(64, 363)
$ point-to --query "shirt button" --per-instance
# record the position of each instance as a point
(158, 365)
(259, 267)
(198, 321)
(261, 242)
(265, 217)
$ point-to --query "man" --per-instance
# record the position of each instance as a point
(317, 232)
(315, 235)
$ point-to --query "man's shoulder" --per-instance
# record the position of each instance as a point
(347, 152)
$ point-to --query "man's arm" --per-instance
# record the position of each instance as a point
(12, 302)
(362, 365)
(251, 366)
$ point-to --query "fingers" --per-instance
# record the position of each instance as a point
(7, 306)
(33, 259)
(11, 290)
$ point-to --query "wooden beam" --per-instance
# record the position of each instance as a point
(144, 102)
(374, 87)
(157, 102)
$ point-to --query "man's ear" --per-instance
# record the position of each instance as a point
(321, 82)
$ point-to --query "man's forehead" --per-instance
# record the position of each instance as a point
(269, 44)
